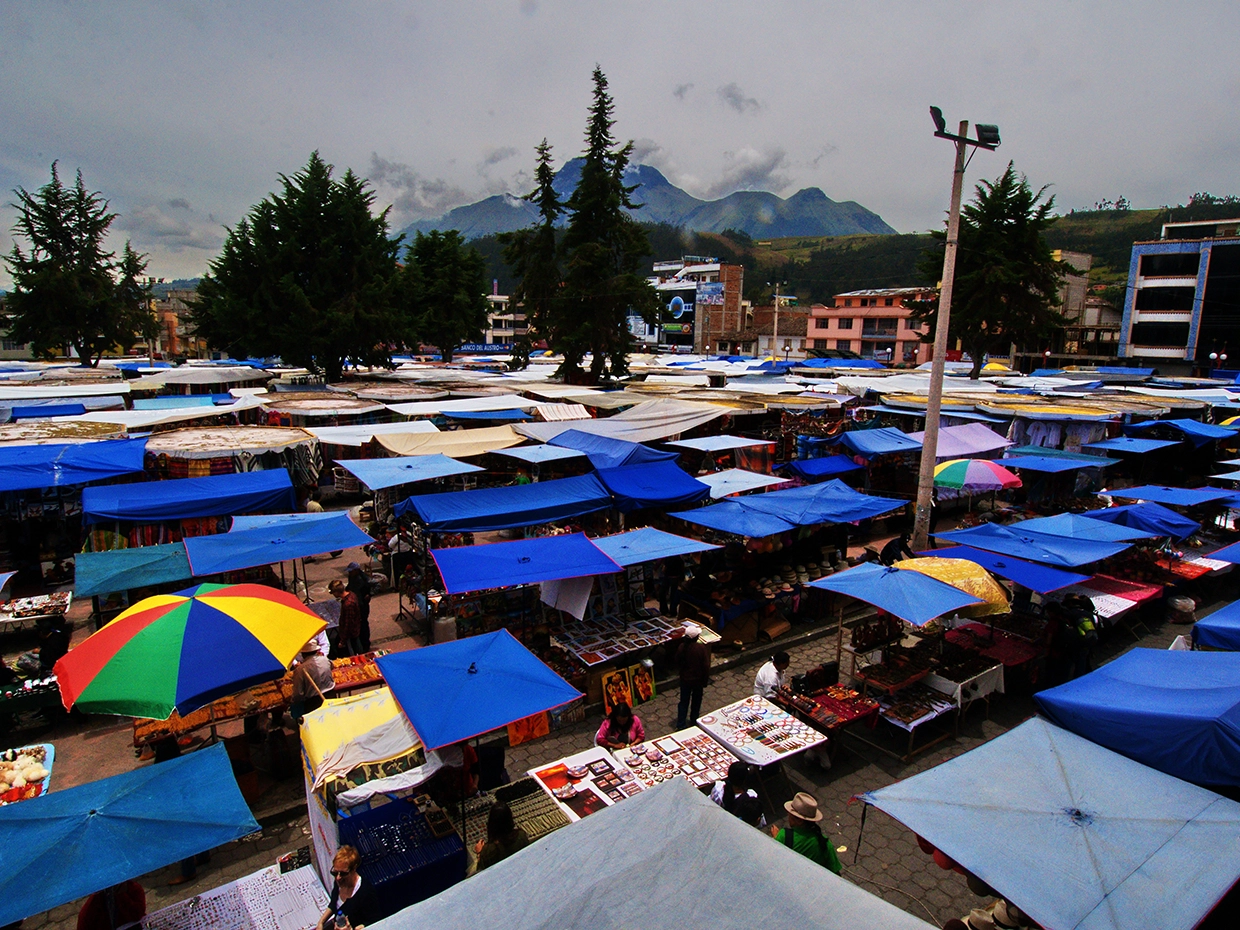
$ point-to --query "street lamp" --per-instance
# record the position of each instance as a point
(787, 348)
(987, 138)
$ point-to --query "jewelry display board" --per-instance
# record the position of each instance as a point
(587, 782)
(757, 731)
(688, 754)
(266, 900)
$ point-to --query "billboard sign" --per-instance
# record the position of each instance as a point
(710, 293)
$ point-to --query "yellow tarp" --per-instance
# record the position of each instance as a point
(350, 731)
(460, 443)
(968, 577)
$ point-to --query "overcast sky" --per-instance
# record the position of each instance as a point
(183, 114)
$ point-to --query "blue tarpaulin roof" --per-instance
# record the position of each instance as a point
(1196, 432)
(1220, 630)
(51, 410)
(907, 594)
(295, 538)
(123, 569)
(1153, 518)
(458, 690)
(1055, 464)
(524, 561)
(647, 545)
(55, 465)
(732, 516)
(378, 474)
(1173, 710)
(878, 441)
(605, 452)
(508, 416)
(1227, 553)
(1130, 444)
(216, 496)
(781, 511)
(823, 467)
(1036, 547)
(1035, 577)
(506, 508)
(1077, 526)
(1175, 497)
(77, 841)
(654, 484)
(536, 455)
(1075, 835)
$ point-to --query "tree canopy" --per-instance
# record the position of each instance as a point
(448, 281)
(309, 275)
(1007, 281)
(69, 290)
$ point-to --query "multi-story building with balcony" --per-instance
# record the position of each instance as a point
(504, 323)
(873, 323)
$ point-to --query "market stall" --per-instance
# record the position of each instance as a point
(269, 899)
(755, 730)
(587, 781)
(690, 754)
(25, 772)
(223, 450)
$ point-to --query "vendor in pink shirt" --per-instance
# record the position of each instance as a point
(620, 729)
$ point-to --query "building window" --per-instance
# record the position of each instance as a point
(822, 323)
(843, 345)
(820, 343)
(912, 326)
(889, 302)
(844, 322)
(880, 326)
(8, 345)
(848, 302)
(1175, 265)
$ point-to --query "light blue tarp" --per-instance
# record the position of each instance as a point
(253, 521)
(1173, 710)
(1150, 517)
(277, 542)
(1175, 497)
(56, 465)
(1076, 526)
(378, 474)
(1075, 835)
(605, 452)
(524, 561)
(909, 595)
(1194, 431)
(1055, 464)
(883, 441)
(732, 516)
(823, 467)
(1036, 547)
(77, 841)
(654, 484)
(1220, 630)
(781, 511)
(507, 416)
(1035, 577)
(216, 496)
(647, 545)
(1130, 444)
(455, 691)
(507, 508)
(123, 569)
(602, 878)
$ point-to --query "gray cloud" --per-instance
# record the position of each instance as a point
(648, 152)
(151, 228)
(749, 169)
(411, 195)
(529, 7)
(825, 152)
(179, 203)
(680, 90)
(733, 96)
(495, 156)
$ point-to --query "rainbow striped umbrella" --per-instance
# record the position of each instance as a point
(974, 475)
(1231, 421)
(181, 651)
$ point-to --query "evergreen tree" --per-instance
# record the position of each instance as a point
(603, 252)
(309, 275)
(533, 256)
(68, 289)
(1007, 281)
(452, 300)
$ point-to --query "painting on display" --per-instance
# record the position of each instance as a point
(616, 688)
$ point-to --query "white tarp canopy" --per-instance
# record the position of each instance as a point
(646, 422)
(667, 857)
(137, 420)
(736, 480)
(431, 408)
(910, 383)
(15, 394)
(361, 434)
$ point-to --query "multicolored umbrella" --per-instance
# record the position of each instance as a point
(1231, 421)
(181, 651)
(974, 475)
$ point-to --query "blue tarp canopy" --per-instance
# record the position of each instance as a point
(55, 465)
(507, 416)
(823, 467)
(378, 474)
(216, 496)
(1175, 497)
(654, 484)
(1055, 464)
(647, 545)
(1076, 526)
(51, 410)
(123, 569)
(909, 595)
(1035, 577)
(1075, 835)
(80, 840)
(883, 441)
(1036, 547)
(506, 508)
(1220, 630)
(1153, 518)
(818, 362)
(605, 452)
(782, 511)
(524, 561)
(1173, 710)
(455, 691)
(1131, 444)
(1227, 553)
(732, 516)
(295, 538)
(1196, 432)
(537, 455)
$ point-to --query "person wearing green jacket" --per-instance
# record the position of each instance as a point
(804, 835)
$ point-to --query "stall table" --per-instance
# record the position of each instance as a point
(266, 900)
(910, 710)
(18, 760)
(587, 782)
(830, 709)
(19, 699)
(689, 753)
(756, 731)
(25, 612)
(532, 810)
(977, 687)
(1008, 649)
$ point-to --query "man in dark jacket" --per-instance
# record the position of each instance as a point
(693, 663)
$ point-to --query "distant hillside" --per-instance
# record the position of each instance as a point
(759, 214)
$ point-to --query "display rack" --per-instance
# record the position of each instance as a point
(690, 754)
(756, 731)
(266, 900)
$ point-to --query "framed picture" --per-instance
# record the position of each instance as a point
(616, 688)
(641, 679)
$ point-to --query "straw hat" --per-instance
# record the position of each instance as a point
(804, 806)
(786, 588)
(768, 593)
(1008, 916)
(310, 648)
(979, 919)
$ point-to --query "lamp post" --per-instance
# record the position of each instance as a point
(987, 138)
(787, 348)
(775, 325)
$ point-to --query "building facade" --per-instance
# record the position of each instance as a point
(505, 324)
(875, 323)
(701, 306)
(1183, 297)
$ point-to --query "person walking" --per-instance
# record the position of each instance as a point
(693, 664)
(350, 628)
(804, 835)
(359, 584)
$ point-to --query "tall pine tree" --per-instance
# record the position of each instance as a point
(450, 279)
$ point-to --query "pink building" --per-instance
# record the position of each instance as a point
(873, 324)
